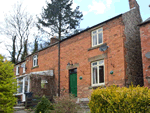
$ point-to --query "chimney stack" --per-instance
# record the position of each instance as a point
(53, 40)
(133, 3)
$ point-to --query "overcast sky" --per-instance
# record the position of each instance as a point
(95, 11)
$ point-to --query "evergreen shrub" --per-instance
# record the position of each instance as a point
(8, 86)
(44, 106)
(114, 99)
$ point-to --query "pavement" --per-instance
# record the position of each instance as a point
(20, 111)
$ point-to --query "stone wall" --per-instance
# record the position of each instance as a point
(134, 69)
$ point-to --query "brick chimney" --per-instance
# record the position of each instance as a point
(53, 40)
(133, 3)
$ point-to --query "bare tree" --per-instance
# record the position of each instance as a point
(18, 24)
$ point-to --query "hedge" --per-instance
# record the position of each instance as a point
(114, 99)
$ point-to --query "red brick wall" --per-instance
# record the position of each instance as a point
(76, 50)
(20, 69)
(145, 45)
(47, 60)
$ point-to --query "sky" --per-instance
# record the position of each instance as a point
(94, 11)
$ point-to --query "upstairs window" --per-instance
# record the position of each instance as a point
(35, 60)
(24, 67)
(17, 70)
(97, 69)
(97, 37)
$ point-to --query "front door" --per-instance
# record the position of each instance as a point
(73, 82)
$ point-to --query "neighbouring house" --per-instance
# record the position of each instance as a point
(145, 46)
(105, 54)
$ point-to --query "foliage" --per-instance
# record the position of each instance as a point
(35, 49)
(44, 106)
(66, 104)
(25, 51)
(60, 17)
(120, 100)
(8, 86)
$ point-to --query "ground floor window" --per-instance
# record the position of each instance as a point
(97, 69)
(23, 83)
(20, 84)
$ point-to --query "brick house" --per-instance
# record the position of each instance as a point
(145, 46)
(84, 64)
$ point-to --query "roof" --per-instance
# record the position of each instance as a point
(146, 21)
(75, 34)
(20, 62)
(91, 27)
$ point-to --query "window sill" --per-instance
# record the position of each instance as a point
(96, 86)
(35, 67)
(96, 46)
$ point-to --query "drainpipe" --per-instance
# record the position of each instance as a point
(59, 68)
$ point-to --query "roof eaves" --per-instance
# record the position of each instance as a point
(20, 62)
(43, 49)
(91, 27)
(144, 23)
(77, 33)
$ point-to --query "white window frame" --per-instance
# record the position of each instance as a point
(23, 87)
(24, 67)
(98, 64)
(17, 70)
(35, 58)
(97, 32)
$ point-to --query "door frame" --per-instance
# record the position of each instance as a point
(69, 79)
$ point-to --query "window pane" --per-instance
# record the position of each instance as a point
(101, 62)
(101, 74)
(100, 30)
(26, 84)
(100, 38)
(94, 75)
(94, 32)
(20, 84)
(94, 39)
(94, 64)
(34, 63)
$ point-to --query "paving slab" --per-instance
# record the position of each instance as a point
(20, 111)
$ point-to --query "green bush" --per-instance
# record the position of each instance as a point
(66, 104)
(114, 99)
(44, 106)
(8, 86)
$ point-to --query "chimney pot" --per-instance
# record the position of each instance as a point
(53, 40)
(133, 3)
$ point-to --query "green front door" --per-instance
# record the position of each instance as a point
(73, 83)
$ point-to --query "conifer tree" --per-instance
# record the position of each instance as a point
(60, 17)
(25, 51)
(8, 86)
(35, 49)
